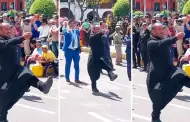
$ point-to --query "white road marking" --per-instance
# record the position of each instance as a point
(171, 104)
(37, 109)
(121, 120)
(43, 96)
(99, 117)
(141, 117)
(65, 91)
(62, 97)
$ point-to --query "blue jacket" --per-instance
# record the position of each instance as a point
(67, 40)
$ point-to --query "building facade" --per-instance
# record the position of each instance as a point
(6, 5)
(103, 11)
(155, 6)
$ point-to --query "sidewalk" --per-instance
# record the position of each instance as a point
(112, 51)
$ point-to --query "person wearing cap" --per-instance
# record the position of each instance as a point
(47, 58)
(71, 49)
(118, 40)
(5, 18)
(15, 79)
(44, 29)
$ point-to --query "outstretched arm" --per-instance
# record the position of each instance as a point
(11, 42)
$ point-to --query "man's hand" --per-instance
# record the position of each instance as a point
(27, 35)
(180, 35)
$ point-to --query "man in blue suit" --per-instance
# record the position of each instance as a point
(71, 48)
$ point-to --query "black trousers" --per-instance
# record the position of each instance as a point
(145, 59)
(15, 89)
(167, 91)
(95, 66)
(136, 57)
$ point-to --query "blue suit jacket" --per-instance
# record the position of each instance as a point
(67, 40)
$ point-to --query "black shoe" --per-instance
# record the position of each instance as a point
(112, 76)
(156, 120)
(134, 67)
(68, 81)
(143, 70)
(47, 85)
(95, 90)
(78, 81)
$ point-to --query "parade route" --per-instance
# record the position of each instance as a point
(177, 111)
(35, 106)
(112, 104)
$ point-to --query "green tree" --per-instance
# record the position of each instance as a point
(186, 9)
(28, 4)
(46, 7)
(138, 13)
(165, 13)
(12, 13)
(121, 8)
(181, 4)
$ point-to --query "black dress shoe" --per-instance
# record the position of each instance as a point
(68, 81)
(78, 81)
(47, 85)
(112, 76)
(95, 90)
(134, 67)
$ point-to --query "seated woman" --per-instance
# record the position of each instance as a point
(47, 58)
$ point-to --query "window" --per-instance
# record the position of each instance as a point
(12, 5)
(157, 6)
(138, 5)
(21, 6)
(4, 6)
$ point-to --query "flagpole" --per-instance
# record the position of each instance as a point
(167, 8)
(144, 7)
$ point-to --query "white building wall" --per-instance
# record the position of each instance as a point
(76, 10)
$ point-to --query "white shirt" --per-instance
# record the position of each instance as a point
(75, 37)
(44, 31)
(187, 52)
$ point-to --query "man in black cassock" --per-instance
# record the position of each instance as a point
(164, 80)
(15, 79)
(97, 59)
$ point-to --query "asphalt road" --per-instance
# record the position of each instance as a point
(78, 104)
(177, 111)
(34, 106)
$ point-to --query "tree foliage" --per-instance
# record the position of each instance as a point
(46, 7)
(12, 13)
(138, 13)
(28, 4)
(181, 4)
(165, 13)
(121, 8)
(186, 9)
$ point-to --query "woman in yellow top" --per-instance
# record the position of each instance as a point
(48, 58)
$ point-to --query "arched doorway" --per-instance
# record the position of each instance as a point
(64, 12)
(90, 15)
(106, 13)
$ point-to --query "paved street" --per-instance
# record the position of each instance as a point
(112, 48)
(36, 107)
(112, 104)
(177, 111)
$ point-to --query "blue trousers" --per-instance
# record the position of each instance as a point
(69, 56)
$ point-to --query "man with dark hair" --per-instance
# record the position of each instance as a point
(164, 80)
(15, 79)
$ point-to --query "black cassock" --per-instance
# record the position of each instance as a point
(164, 80)
(97, 59)
(15, 80)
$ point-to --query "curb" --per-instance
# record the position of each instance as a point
(113, 54)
